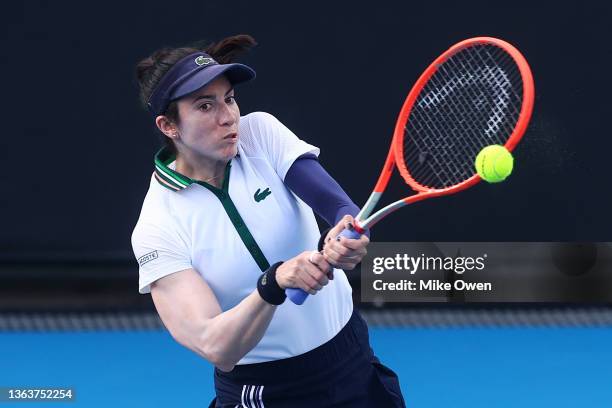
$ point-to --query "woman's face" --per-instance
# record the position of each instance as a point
(209, 121)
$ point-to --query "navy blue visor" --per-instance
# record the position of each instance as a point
(190, 74)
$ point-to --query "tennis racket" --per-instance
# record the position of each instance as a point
(478, 93)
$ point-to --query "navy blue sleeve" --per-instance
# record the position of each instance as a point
(309, 181)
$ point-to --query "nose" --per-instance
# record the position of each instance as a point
(226, 116)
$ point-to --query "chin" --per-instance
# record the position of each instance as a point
(232, 153)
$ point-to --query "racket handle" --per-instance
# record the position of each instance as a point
(296, 295)
(350, 234)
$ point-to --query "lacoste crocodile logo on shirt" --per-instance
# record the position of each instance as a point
(259, 196)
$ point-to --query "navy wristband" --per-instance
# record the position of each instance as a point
(268, 288)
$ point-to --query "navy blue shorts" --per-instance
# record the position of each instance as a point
(344, 372)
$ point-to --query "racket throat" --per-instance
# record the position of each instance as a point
(368, 207)
(358, 228)
(380, 214)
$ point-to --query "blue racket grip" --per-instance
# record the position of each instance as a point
(349, 233)
(298, 296)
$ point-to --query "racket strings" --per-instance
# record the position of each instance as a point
(464, 123)
(473, 100)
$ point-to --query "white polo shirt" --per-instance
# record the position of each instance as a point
(187, 224)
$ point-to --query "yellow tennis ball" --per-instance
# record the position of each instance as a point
(494, 163)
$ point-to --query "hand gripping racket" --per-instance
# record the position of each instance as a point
(478, 93)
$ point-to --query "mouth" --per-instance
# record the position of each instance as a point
(231, 136)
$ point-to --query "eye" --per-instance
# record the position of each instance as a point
(205, 107)
(230, 99)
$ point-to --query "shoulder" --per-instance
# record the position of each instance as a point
(255, 131)
(258, 124)
(259, 119)
(155, 212)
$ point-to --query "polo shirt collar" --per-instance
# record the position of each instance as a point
(175, 181)
(167, 177)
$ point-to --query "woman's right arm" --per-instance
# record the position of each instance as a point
(191, 313)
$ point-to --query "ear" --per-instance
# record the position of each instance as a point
(167, 127)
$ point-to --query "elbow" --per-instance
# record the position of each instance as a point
(225, 368)
(212, 353)
(215, 348)
(221, 361)
(218, 357)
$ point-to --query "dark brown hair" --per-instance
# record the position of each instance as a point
(150, 70)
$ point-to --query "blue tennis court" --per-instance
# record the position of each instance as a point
(438, 367)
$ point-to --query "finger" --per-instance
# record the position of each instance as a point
(299, 283)
(326, 266)
(345, 252)
(345, 222)
(331, 256)
(317, 259)
(352, 255)
(354, 244)
(347, 265)
(313, 276)
(339, 252)
(340, 261)
(334, 232)
(308, 284)
(318, 275)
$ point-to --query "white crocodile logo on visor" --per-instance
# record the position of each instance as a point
(201, 60)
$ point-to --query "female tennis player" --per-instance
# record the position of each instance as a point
(227, 225)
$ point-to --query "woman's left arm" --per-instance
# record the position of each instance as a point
(309, 181)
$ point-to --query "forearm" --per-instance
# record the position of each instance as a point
(309, 181)
(230, 335)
